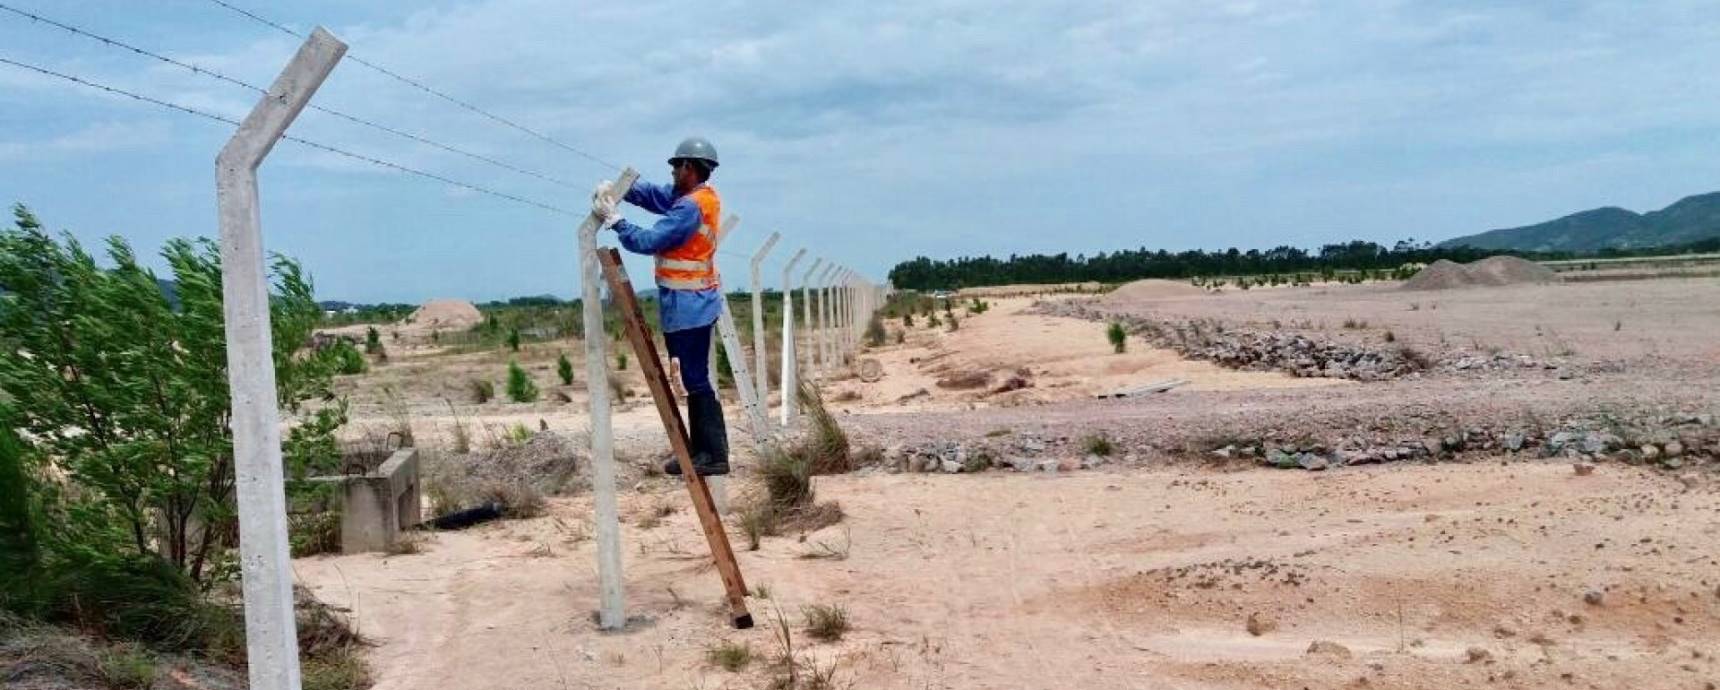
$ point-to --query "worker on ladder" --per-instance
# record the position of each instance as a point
(684, 242)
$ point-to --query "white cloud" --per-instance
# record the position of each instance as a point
(88, 140)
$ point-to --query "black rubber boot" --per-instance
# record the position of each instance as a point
(707, 436)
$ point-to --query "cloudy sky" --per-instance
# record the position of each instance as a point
(877, 131)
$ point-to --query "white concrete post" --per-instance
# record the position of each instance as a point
(611, 613)
(757, 419)
(848, 345)
(761, 353)
(265, 566)
(789, 365)
(806, 309)
(824, 363)
(839, 317)
(843, 316)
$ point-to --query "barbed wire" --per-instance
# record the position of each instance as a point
(427, 89)
(298, 140)
(213, 74)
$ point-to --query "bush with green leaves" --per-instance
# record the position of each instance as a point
(1118, 337)
(564, 369)
(514, 339)
(344, 358)
(127, 389)
(372, 341)
(520, 386)
(116, 463)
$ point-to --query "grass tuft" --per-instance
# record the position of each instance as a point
(826, 622)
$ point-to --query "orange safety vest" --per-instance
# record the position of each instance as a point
(693, 265)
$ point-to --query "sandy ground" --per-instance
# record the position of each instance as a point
(1672, 320)
(1494, 572)
(1138, 578)
(1064, 359)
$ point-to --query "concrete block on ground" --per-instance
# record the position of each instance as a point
(377, 505)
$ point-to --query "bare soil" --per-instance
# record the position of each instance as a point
(1168, 566)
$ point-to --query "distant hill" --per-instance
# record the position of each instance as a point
(1691, 219)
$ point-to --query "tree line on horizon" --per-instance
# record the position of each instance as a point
(924, 273)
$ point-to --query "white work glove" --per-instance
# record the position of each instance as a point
(606, 214)
(604, 206)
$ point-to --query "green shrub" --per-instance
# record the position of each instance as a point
(520, 386)
(1118, 337)
(564, 369)
(514, 339)
(345, 358)
(1098, 444)
(482, 390)
(127, 391)
(372, 341)
(621, 361)
(730, 656)
(826, 622)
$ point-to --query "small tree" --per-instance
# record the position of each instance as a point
(621, 361)
(564, 369)
(372, 341)
(514, 339)
(520, 386)
(1118, 337)
(127, 390)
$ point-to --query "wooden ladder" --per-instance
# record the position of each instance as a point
(621, 290)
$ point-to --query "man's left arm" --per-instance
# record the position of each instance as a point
(672, 230)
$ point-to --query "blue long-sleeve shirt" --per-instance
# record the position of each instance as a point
(681, 309)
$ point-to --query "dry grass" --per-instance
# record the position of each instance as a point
(1098, 444)
(830, 549)
(730, 656)
(826, 622)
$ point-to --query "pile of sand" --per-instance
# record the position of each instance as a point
(1489, 272)
(1151, 288)
(447, 313)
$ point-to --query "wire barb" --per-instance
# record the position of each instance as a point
(427, 89)
(298, 140)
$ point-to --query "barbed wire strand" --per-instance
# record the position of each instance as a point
(297, 140)
(427, 89)
(213, 74)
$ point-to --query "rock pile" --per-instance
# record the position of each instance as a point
(1667, 441)
(1027, 453)
(1260, 351)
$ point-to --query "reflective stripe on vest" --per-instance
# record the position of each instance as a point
(692, 266)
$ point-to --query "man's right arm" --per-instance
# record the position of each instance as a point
(657, 199)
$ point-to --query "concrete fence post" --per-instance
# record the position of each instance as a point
(824, 279)
(757, 417)
(836, 325)
(611, 613)
(761, 349)
(846, 341)
(806, 313)
(271, 637)
(789, 363)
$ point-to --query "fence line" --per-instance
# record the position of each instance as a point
(416, 84)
